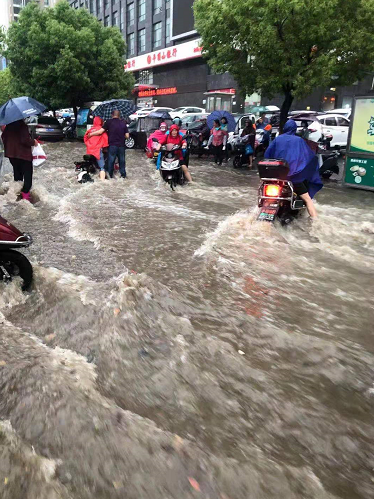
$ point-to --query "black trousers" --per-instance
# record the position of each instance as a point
(22, 171)
(218, 154)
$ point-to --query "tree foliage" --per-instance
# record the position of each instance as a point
(64, 57)
(288, 46)
(7, 87)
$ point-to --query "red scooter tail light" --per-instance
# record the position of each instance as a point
(272, 190)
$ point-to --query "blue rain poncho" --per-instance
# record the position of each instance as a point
(301, 159)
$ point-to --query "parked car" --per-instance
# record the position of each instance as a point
(145, 111)
(330, 124)
(63, 113)
(346, 112)
(45, 128)
(179, 112)
(188, 119)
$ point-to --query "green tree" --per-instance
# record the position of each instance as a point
(64, 57)
(7, 88)
(288, 47)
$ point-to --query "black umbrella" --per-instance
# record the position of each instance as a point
(19, 109)
(105, 109)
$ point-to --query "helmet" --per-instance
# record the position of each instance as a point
(177, 121)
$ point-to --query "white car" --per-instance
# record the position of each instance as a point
(192, 118)
(330, 124)
(145, 111)
(180, 112)
(346, 112)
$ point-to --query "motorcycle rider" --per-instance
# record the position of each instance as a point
(159, 134)
(175, 138)
(303, 163)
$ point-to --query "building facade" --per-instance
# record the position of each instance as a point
(10, 11)
(164, 53)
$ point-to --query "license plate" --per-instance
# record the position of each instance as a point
(50, 129)
(268, 214)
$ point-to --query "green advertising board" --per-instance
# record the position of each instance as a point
(359, 167)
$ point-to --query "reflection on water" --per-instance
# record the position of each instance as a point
(174, 347)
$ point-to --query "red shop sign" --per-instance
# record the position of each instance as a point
(158, 91)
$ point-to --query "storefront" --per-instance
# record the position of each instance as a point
(179, 76)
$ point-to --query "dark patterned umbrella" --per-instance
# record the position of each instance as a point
(124, 106)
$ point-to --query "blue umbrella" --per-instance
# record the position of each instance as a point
(218, 115)
(19, 109)
(105, 109)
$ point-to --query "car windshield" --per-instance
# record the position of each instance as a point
(178, 109)
(46, 120)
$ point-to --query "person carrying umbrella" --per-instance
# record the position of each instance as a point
(18, 148)
(16, 138)
(117, 133)
(218, 139)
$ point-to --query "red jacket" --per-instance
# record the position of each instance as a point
(17, 141)
(97, 142)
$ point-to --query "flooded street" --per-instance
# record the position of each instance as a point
(172, 347)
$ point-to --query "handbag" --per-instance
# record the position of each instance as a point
(38, 155)
(248, 149)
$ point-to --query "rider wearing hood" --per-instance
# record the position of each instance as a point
(96, 143)
(303, 163)
(159, 134)
(175, 138)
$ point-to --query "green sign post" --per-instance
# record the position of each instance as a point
(359, 166)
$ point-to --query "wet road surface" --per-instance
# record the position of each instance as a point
(172, 347)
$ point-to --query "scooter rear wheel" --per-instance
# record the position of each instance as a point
(16, 265)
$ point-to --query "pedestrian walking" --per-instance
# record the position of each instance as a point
(95, 145)
(118, 132)
(218, 140)
(249, 131)
(18, 148)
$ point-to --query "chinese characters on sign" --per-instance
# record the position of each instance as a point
(162, 55)
(158, 91)
(181, 52)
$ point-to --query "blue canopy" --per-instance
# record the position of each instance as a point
(301, 159)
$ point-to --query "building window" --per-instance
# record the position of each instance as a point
(99, 7)
(130, 45)
(157, 6)
(146, 77)
(141, 40)
(141, 10)
(91, 6)
(115, 19)
(122, 19)
(114, 2)
(106, 4)
(106, 21)
(157, 29)
(168, 30)
(46, 3)
(168, 22)
(130, 14)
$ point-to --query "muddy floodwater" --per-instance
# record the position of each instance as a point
(172, 347)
